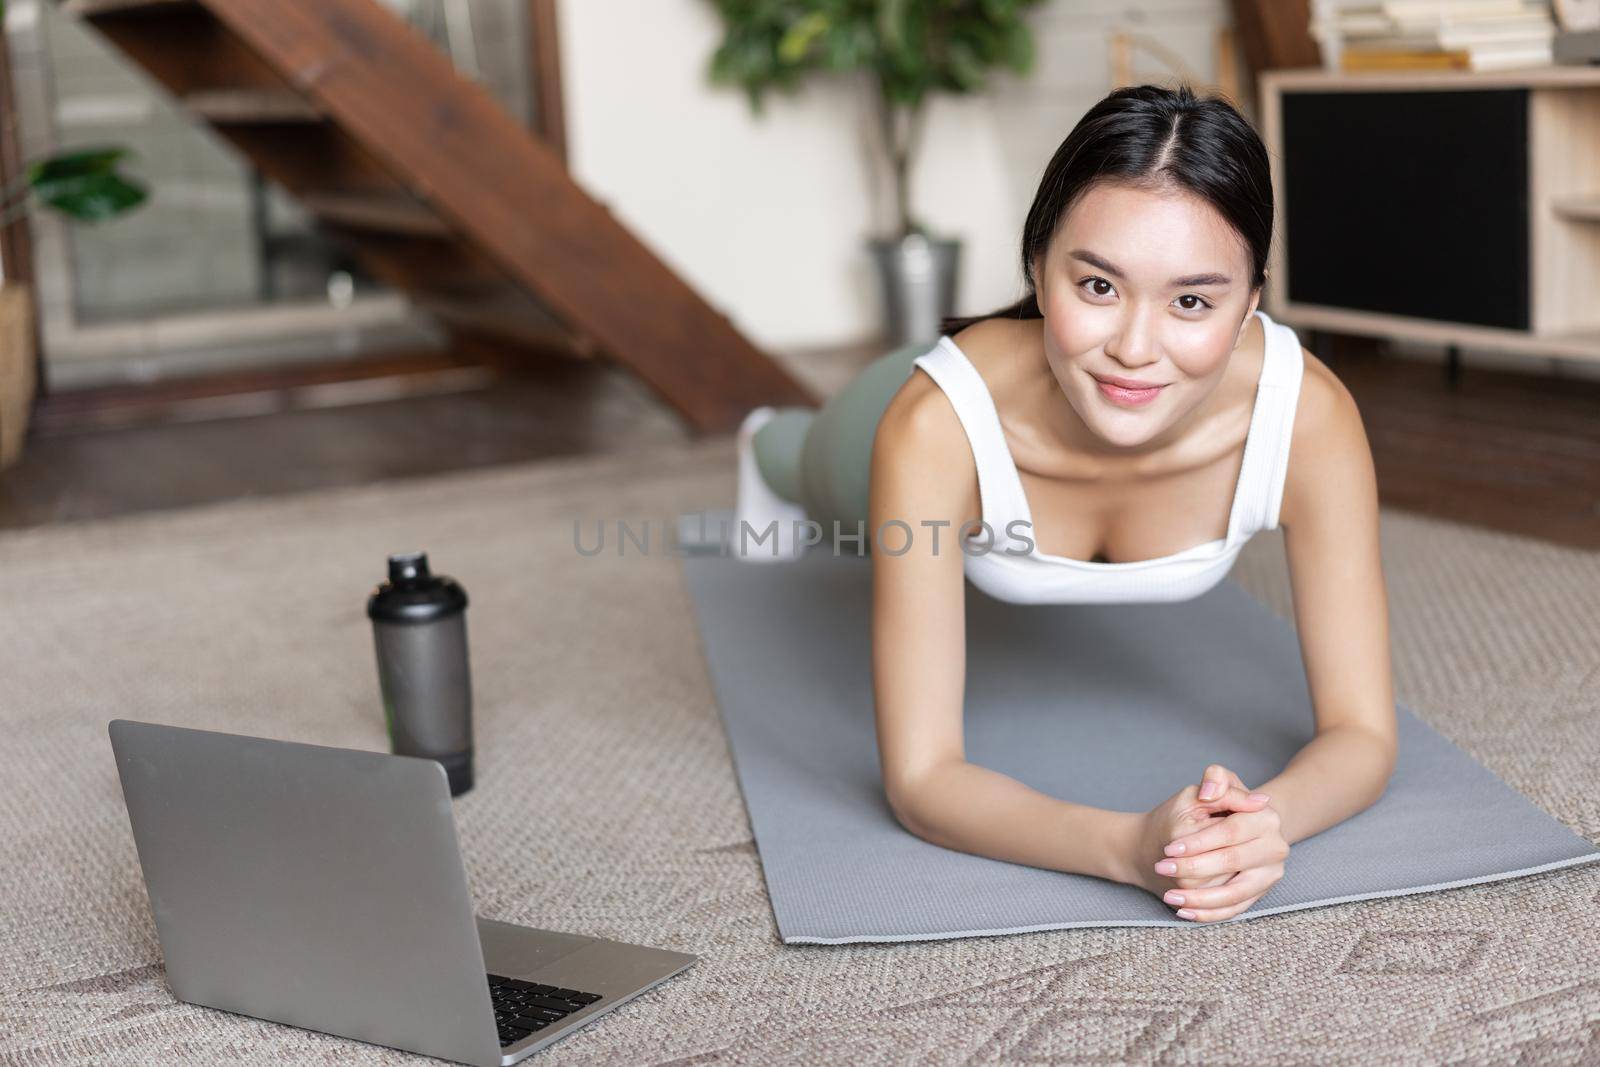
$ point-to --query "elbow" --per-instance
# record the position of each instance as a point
(902, 803)
(1366, 765)
(912, 795)
(1386, 754)
(1386, 770)
(905, 802)
(1378, 766)
(1391, 757)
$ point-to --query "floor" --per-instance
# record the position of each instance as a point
(1503, 450)
(1498, 449)
(123, 457)
(627, 821)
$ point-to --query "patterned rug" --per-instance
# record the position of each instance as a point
(606, 803)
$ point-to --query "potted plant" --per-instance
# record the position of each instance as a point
(908, 49)
(85, 185)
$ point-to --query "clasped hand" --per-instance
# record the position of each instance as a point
(1222, 846)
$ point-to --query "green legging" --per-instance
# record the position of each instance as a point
(822, 459)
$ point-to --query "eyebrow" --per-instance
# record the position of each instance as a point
(1188, 279)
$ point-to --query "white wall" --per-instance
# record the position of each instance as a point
(768, 218)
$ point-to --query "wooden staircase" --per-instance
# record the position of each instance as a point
(439, 191)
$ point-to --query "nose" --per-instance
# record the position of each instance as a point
(1133, 343)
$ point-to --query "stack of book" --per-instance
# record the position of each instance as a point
(1434, 34)
(1579, 46)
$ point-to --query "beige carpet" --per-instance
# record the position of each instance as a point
(593, 710)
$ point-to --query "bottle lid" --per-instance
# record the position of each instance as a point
(413, 594)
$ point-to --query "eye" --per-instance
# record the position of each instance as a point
(1095, 279)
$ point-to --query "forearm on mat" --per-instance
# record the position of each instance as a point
(968, 808)
(1340, 772)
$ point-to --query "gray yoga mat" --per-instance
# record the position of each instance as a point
(1117, 706)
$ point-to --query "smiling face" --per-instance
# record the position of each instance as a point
(1148, 287)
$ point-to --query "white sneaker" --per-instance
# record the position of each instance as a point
(757, 505)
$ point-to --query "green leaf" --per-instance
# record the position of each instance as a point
(84, 184)
(965, 67)
(93, 197)
(793, 44)
(75, 164)
(722, 69)
(1019, 47)
(892, 28)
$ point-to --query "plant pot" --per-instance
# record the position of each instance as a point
(919, 285)
(17, 377)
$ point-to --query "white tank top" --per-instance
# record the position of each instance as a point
(1041, 578)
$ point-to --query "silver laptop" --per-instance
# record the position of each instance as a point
(323, 887)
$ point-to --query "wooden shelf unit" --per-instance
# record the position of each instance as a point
(1535, 172)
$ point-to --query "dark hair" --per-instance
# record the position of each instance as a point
(1151, 137)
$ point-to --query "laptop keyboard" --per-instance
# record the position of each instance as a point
(522, 1008)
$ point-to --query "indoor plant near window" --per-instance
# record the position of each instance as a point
(906, 49)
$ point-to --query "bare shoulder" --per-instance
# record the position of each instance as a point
(1329, 454)
(920, 449)
(1326, 412)
(922, 438)
(920, 425)
(987, 333)
(991, 346)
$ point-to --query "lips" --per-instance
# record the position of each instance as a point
(1127, 383)
(1124, 396)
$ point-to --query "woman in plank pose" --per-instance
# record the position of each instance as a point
(1116, 435)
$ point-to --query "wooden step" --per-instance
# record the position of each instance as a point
(505, 314)
(309, 159)
(393, 213)
(446, 136)
(93, 9)
(228, 106)
(141, 402)
(190, 52)
(442, 268)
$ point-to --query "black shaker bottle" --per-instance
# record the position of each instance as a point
(419, 625)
